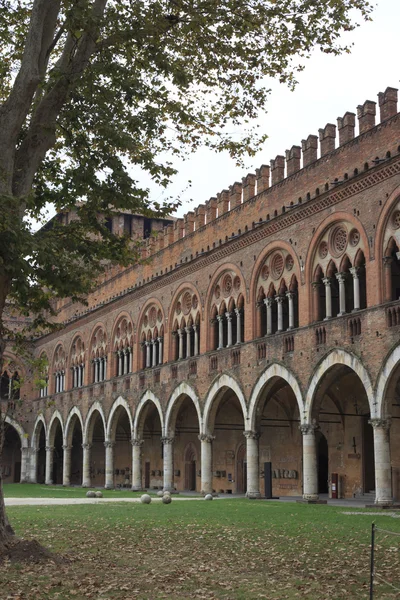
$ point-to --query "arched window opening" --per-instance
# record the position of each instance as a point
(229, 312)
(59, 370)
(123, 344)
(78, 363)
(152, 337)
(99, 356)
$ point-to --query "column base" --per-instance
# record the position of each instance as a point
(327, 318)
(171, 490)
(312, 499)
(385, 503)
(109, 487)
(50, 482)
(341, 314)
(253, 495)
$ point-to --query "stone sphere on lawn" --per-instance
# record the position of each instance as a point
(166, 493)
(145, 499)
(208, 497)
(99, 494)
(90, 494)
(167, 499)
(160, 493)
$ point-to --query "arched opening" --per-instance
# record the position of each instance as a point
(277, 423)
(152, 451)
(75, 439)
(322, 462)
(97, 453)
(11, 456)
(190, 458)
(334, 285)
(121, 435)
(226, 421)
(241, 469)
(184, 427)
(393, 256)
(344, 440)
(56, 441)
(41, 453)
(319, 295)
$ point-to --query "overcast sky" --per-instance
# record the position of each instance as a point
(328, 87)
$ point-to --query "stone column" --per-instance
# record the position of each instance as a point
(228, 316)
(74, 377)
(66, 465)
(328, 298)
(290, 297)
(154, 344)
(34, 465)
(316, 286)
(310, 471)
(387, 273)
(383, 470)
(86, 482)
(341, 277)
(180, 344)
(104, 368)
(24, 464)
(136, 464)
(268, 303)
(279, 301)
(126, 360)
(160, 350)
(206, 463)
(356, 287)
(130, 350)
(253, 467)
(109, 482)
(148, 354)
(238, 313)
(120, 362)
(168, 454)
(49, 465)
(220, 332)
(96, 371)
(188, 332)
(196, 340)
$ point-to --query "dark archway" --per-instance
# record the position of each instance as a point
(11, 456)
(323, 463)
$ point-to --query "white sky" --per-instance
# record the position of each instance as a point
(328, 87)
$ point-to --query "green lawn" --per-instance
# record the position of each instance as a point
(36, 490)
(226, 549)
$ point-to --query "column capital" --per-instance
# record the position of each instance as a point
(137, 442)
(355, 271)
(238, 311)
(167, 440)
(219, 318)
(66, 447)
(290, 295)
(159, 339)
(228, 316)
(387, 261)
(327, 281)
(251, 435)
(341, 277)
(308, 428)
(194, 326)
(204, 437)
(49, 448)
(279, 299)
(268, 301)
(384, 424)
(86, 446)
(188, 329)
(180, 332)
(109, 444)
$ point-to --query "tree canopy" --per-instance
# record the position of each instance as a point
(94, 91)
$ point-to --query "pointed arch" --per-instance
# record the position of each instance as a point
(96, 406)
(73, 413)
(34, 440)
(19, 429)
(337, 357)
(148, 396)
(385, 375)
(55, 416)
(223, 381)
(273, 371)
(174, 402)
(119, 404)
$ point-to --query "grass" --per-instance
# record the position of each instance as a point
(231, 549)
(36, 490)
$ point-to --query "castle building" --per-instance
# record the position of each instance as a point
(256, 344)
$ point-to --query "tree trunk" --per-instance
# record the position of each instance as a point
(6, 531)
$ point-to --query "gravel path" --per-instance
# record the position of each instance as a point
(68, 501)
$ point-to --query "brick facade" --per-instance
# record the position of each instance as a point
(273, 305)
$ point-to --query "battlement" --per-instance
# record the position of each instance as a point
(319, 165)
